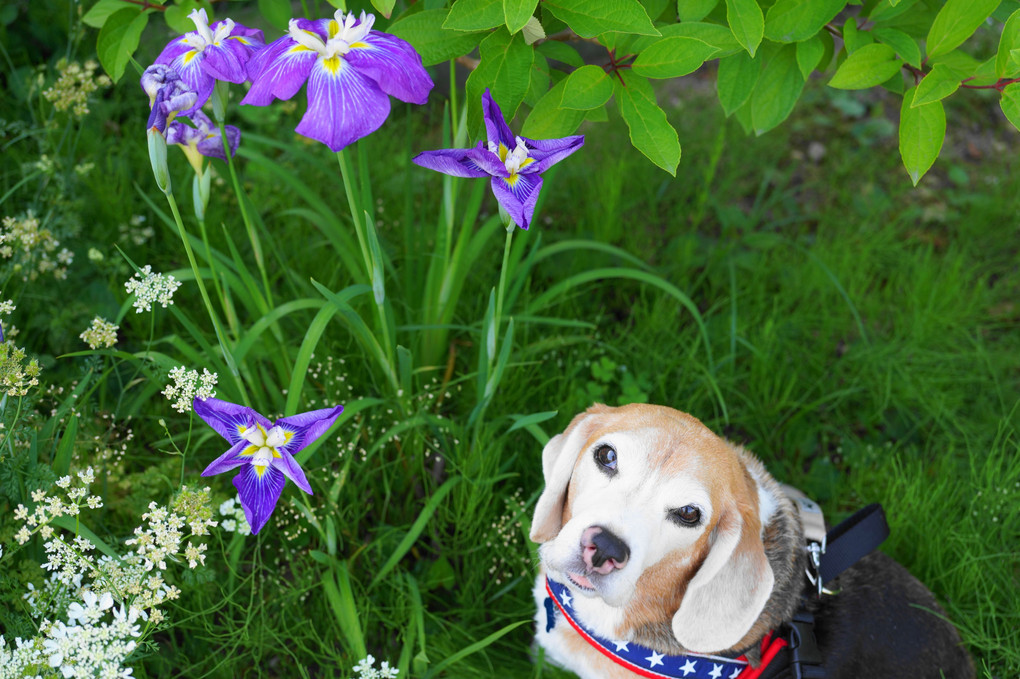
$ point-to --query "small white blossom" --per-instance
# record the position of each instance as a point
(151, 287)
(101, 334)
(188, 385)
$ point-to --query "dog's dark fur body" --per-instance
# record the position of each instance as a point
(882, 622)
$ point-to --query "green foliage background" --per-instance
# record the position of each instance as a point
(789, 289)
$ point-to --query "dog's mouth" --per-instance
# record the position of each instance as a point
(581, 581)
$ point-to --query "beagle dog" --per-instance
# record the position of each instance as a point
(657, 533)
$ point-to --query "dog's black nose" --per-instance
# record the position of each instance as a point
(602, 548)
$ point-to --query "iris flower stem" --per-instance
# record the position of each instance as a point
(353, 203)
(253, 235)
(502, 275)
(205, 294)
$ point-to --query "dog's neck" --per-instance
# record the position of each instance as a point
(783, 539)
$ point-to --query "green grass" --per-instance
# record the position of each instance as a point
(859, 335)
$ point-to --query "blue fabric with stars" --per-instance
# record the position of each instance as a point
(640, 659)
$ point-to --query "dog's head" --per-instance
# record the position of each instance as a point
(644, 502)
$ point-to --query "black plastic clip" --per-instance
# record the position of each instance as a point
(806, 659)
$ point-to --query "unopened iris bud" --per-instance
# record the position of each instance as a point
(157, 156)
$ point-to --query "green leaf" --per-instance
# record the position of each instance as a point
(809, 55)
(797, 20)
(650, 131)
(505, 69)
(101, 11)
(548, 121)
(655, 8)
(586, 88)
(384, 7)
(118, 39)
(735, 81)
(176, 16)
(1010, 104)
(905, 46)
(955, 22)
(435, 44)
(672, 57)
(694, 10)
(869, 66)
(517, 13)
(777, 90)
(474, 15)
(276, 12)
(937, 85)
(65, 449)
(716, 35)
(1005, 64)
(922, 131)
(588, 19)
(747, 23)
(560, 51)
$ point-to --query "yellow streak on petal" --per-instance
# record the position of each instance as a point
(276, 453)
(249, 451)
(239, 38)
(298, 48)
(503, 150)
(359, 45)
(332, 65)
(334, 28)
(259, 471)
(524, 163)
(188, 56)
(512, 180)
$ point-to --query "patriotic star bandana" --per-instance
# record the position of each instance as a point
(648, 663)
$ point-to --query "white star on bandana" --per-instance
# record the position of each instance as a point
(655, 659)
(688, 667)
(716, 672)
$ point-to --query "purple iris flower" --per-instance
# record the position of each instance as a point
(513, 163)
(264, 450)
(204, 138)
(168, 95)
(210, 53)
(350, 70)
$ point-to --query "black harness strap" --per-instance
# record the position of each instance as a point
(846, 544)
(852, 540)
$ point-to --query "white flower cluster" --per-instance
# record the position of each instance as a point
(235, 520)
(101, 334)
(16, 375)
(365, 669)
(31, 246)
(48, 508)
(163, 537)
(7, 306)
(151, 287)
(87, 645)
(187, 385)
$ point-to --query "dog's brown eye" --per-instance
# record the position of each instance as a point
(688, 515)
(605, 455)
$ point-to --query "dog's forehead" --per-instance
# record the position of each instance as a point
(670, 441)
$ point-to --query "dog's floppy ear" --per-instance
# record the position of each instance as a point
(729, 591)
(558, 459)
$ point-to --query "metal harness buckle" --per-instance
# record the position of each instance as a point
(815, 551)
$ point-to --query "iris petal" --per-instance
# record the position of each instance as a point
(343, 105)
(548, 152)
(476, 162)
(223, 64)
(496, 129)
(292, 470)
(228, 460)
(258, 493)
(189, 66)
(518, 196)
(307, 427)
(394, 65)
(228, 419)
(280, 77)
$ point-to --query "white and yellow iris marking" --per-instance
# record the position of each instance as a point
(514, 160)
(343, 37)
(203, 36)
(264, 445)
